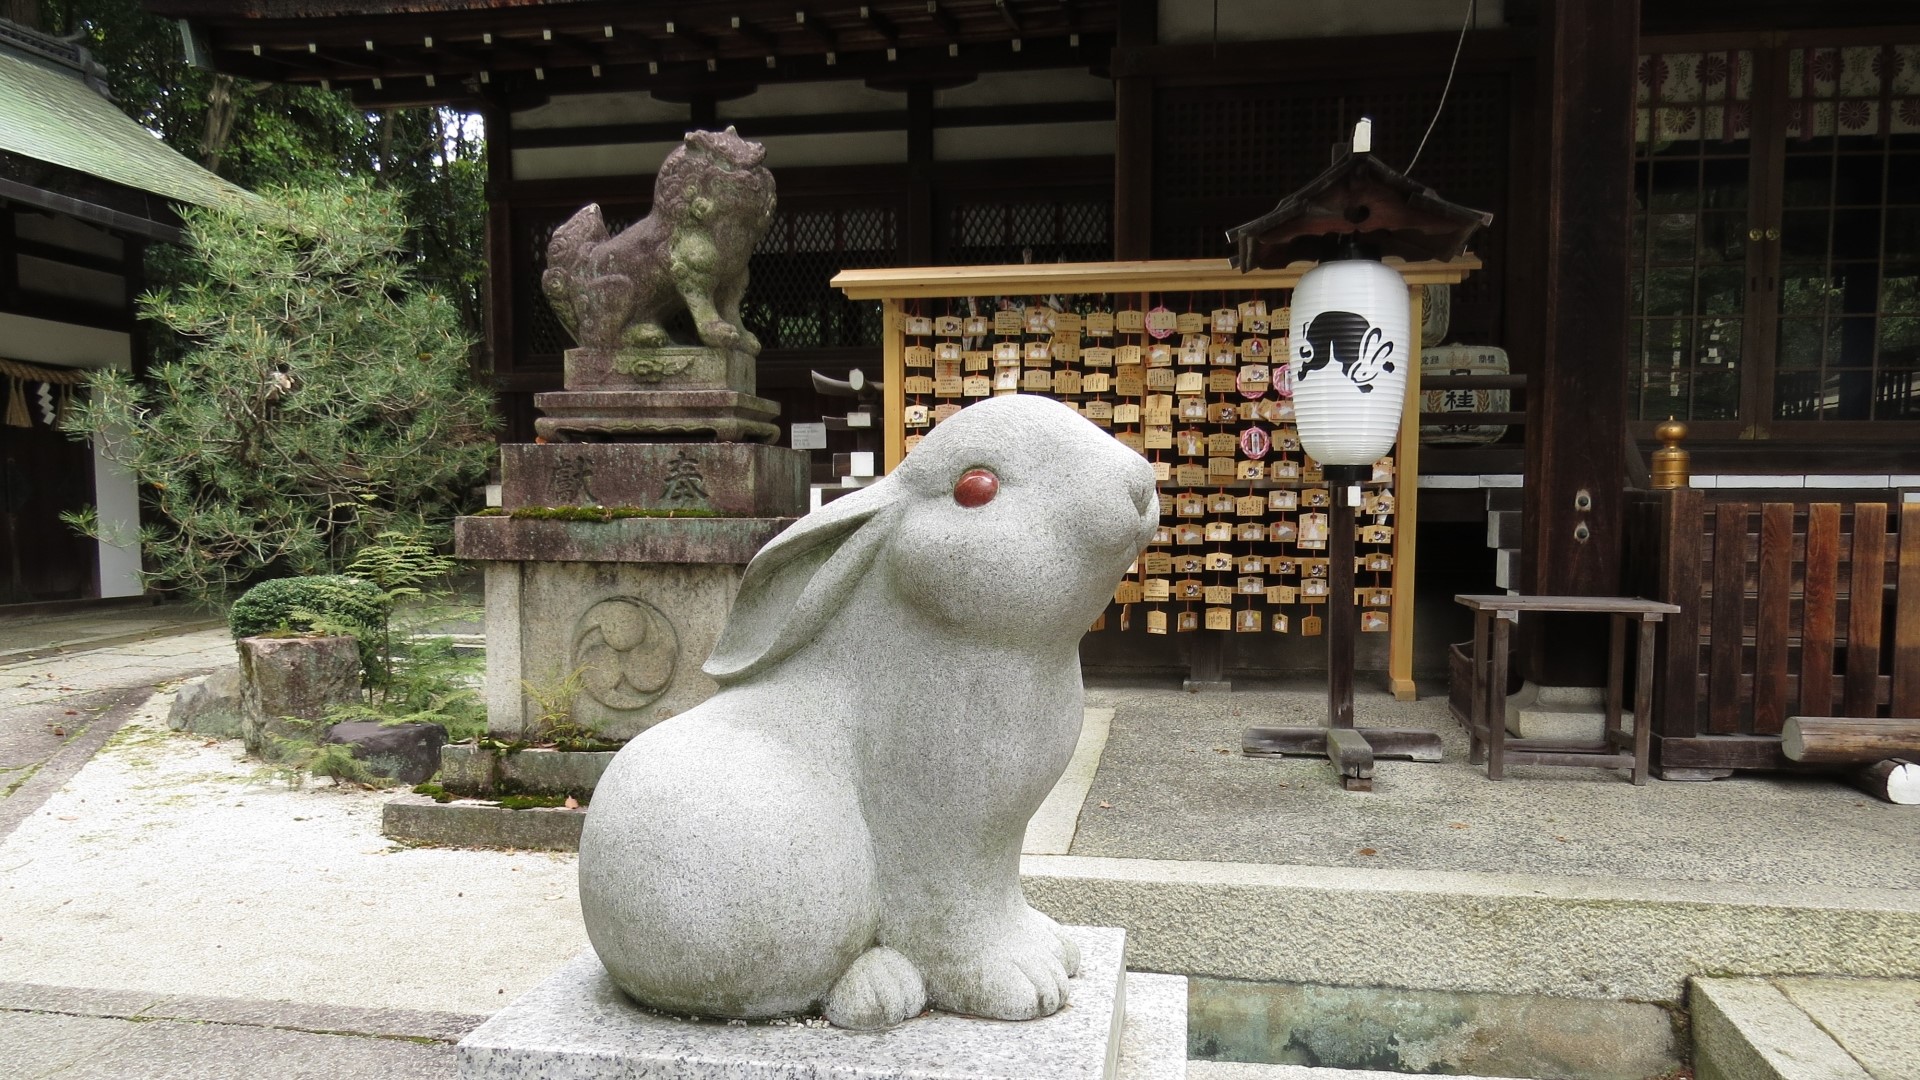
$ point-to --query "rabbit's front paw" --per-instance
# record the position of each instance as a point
(881, 989)
(1064, 948)
(1020, 979)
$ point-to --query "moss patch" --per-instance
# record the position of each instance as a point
(532, 802)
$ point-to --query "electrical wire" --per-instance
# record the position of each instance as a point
(1472, 10)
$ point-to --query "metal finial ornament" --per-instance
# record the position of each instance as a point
(1672, 466)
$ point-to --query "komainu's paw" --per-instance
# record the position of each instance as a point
(881, 989)
(719, 334)
(1021, 978)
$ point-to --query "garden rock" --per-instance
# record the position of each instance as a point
(209, 705)
(297, 677)
(409, 753)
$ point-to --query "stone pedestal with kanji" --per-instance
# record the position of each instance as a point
(620, 539)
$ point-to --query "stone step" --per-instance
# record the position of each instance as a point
(1806, 1028)
(1584, 938)
(417, 819)
(1506, 568)
(1153, 1033)
(1505, 498)
(1240, 1070)
(1571, 713)
(1503, 528)
(473, 770)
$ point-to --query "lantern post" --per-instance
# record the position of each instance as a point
(1350, 344)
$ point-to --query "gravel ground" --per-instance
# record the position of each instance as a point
(168, 865)
(1172, 784)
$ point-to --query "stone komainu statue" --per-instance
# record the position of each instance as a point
(712, 201)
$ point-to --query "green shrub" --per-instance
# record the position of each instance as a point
(296, 603)
(273, 605)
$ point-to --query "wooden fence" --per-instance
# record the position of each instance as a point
(1788, 609)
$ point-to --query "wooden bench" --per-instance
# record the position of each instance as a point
(1486, 719)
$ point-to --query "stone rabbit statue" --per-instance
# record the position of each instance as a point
(840, 826)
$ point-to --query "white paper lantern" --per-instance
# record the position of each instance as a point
(1351, 342)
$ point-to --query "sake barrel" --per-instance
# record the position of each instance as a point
(1463, 360)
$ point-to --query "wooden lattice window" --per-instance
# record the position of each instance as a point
(1693, 140)
(789, 304)
(1776, 238)
(982, 230)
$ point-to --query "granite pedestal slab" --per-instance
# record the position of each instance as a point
(578, 1026)
(655, 416)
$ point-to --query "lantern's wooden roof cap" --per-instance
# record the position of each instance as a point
(1363, 198)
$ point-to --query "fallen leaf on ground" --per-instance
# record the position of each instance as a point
(1106, 806)
(1458, 825)
(1368, 851)
(573, 803)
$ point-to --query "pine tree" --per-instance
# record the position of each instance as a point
(322, 396)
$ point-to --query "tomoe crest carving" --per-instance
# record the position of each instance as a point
(626, 652)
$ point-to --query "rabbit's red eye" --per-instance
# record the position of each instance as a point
(976, 487)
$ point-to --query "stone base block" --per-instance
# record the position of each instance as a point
(614, 647)
(655, 416)
(417, 819)
(473, 770)
(578, 1026)
(284, 680)
(742, 479)
(1564, 713)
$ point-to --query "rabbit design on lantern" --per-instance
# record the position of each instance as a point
(839, 827)
(1362, 349)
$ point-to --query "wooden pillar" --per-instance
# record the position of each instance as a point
(919, 230)
(1138, 29)
(498, 253)
(1578, 404)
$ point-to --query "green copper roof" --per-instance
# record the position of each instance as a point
(52, 116)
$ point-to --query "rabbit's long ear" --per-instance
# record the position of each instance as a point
(799, 580)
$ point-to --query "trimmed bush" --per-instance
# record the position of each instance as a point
(272, 605)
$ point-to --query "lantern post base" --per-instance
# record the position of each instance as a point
(1352, 750)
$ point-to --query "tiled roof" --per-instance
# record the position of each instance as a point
(49, 113)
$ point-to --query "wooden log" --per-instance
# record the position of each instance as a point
(1894, 780)
(1849, 740)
